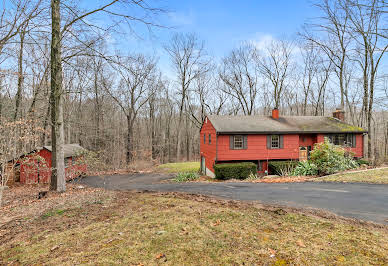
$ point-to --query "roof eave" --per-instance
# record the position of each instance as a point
(288, 132)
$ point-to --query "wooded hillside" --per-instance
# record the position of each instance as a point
(126, 107)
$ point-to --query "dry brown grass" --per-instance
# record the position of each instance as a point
(176, 229)
(374, 176)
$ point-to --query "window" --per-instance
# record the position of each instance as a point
(238, 142)
(204, 138)
(210, 139)
(275, 142)
(343, 139)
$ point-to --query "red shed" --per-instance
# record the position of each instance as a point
(260, 139)
(31, 170)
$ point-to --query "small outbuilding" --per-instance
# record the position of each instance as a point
(35, 167)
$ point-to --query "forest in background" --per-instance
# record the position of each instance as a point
(127, 108)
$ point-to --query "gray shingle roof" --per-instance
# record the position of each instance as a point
(285, 124)
(69, 149)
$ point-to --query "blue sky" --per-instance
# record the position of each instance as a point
(222, 25)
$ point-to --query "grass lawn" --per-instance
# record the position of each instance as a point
(180, 167)
(377, 176)
(175, 229)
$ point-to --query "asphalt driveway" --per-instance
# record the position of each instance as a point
(362, 201)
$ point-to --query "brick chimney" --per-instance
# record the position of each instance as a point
(275, 113)
(339, 114)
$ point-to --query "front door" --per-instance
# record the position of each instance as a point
(302, 154)
(203, 165)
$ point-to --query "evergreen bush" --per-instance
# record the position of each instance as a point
(243, 170)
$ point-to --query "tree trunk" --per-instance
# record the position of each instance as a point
(58, 181)
(129, 156)
(20, 75)
(178, 138)
(97, 139)
(152, 129)
(45, 124)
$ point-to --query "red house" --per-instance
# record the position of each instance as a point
(31, 170)
(260, 139)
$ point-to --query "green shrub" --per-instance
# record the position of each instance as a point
(362, 161)
(305, 168)
(185, 176)
(282, 167)
(330, 158)
(235, 170)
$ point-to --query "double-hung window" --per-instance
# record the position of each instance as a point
(238, 142)
(275, 141)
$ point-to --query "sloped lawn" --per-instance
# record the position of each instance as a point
(375, 176)
(192, 167)
(175, 229)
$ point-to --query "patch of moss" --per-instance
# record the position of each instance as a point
(345, 127)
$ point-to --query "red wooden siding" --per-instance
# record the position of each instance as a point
(306, 140)
(32, 172)
(358, 150)
(257, 149)
(208, 150)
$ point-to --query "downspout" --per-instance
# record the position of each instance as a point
(216, 147)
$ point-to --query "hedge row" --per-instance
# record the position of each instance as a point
(234, 170)
(282, 167)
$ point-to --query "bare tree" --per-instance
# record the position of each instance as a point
(276, 66)
(314, 78)
(133, 91)
(109, 8)
(189, 61)
(335, 44)
(365, 28)
(241, 77)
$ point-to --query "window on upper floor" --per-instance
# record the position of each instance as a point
(210, 139)
(204, 138)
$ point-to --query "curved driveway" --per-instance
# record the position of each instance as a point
(362, 201)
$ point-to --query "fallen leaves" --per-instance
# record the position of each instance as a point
(18, 197)
(300, 243)
(283, 180)
(54, 248)
(184, 231)
(218, 222)
(161, 256)
(272, 252)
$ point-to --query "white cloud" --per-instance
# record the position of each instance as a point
(181, 19)
(261, 41)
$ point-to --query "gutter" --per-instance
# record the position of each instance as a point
(216, 146)
(290, 132)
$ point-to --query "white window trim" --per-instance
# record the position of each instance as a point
(242, 142)
(278, 140)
